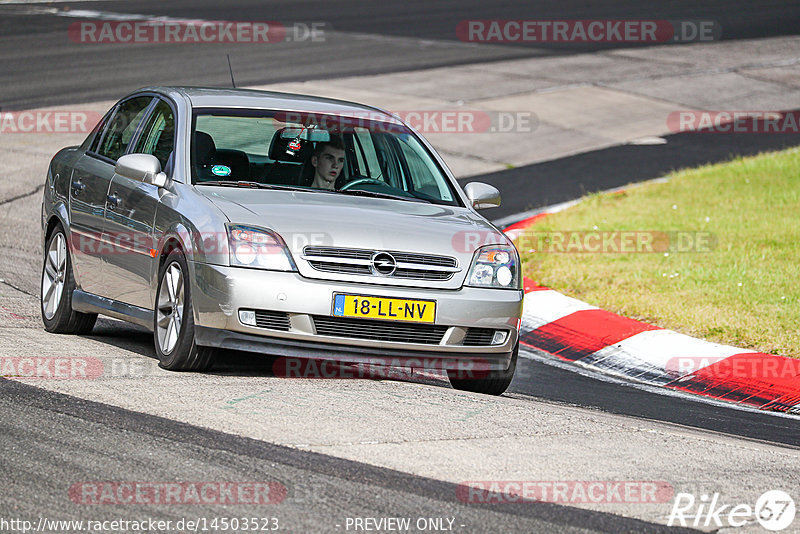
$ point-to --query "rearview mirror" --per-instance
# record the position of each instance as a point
(144, 167)
(307, 134)
(482, 196)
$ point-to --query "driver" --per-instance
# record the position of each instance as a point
(328, 160)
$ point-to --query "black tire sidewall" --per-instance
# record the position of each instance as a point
(495, 383)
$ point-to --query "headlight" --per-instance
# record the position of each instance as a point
(495, 266)
(258, 248)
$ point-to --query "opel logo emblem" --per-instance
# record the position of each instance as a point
(383, 263)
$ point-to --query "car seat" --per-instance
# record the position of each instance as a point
(286, 168)
(207, 156)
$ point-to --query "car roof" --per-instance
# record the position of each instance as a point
(218, 97)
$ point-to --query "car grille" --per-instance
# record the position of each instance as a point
(272, 319)
(379, 330)
(478, 336)
(410, 265)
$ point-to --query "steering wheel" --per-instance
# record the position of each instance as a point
(365, 180)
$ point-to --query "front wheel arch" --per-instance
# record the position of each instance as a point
(184, 354)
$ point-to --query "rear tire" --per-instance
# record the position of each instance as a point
(494, 383)
(173, 319)
(57, 286)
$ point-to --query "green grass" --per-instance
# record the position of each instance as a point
(742, 290)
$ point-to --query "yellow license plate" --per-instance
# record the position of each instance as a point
(365, 307)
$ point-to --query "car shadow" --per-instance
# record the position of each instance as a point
(137, 339)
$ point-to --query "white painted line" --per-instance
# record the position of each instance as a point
(93, 14)
(555, 208)
(23, 2)
(112, 15)
(648, 141)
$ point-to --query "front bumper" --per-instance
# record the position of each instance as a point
(293, 348)
(219, 292)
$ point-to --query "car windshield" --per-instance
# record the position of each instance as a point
(316, 152)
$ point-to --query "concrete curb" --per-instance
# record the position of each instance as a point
(577, 332)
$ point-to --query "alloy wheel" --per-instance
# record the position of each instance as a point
(55, 269)
(170, 308)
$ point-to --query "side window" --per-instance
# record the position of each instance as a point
(158, 137)
(120, 129)
(98, 131)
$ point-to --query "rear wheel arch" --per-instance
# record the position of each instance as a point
(51, 225)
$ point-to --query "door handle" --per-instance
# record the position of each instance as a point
(77, 188)
(113, 201)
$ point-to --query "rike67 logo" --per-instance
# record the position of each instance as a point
(774, 510)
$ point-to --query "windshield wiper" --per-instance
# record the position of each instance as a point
(362, 193)
(353, 192)
(244, 183)
(229, 183)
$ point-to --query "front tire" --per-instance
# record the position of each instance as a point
(494, 383)
(173, 328)
(58, 283)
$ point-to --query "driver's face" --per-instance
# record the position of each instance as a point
(328, 165)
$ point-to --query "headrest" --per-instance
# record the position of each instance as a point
(279, 145)
(204, 148)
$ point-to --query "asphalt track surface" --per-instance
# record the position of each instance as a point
(42, 66)
(80, 440)
(53, 438)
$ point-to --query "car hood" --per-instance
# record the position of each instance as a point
(336, 220)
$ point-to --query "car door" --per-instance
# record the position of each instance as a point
(91, 179)
(130, 214)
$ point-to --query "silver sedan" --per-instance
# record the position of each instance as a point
(298, 227)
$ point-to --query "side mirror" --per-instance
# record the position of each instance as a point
(482, 196)
(142, 167)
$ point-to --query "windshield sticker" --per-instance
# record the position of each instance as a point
(221, 170)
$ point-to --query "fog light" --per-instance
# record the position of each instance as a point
(499, 337)
(248, 317)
